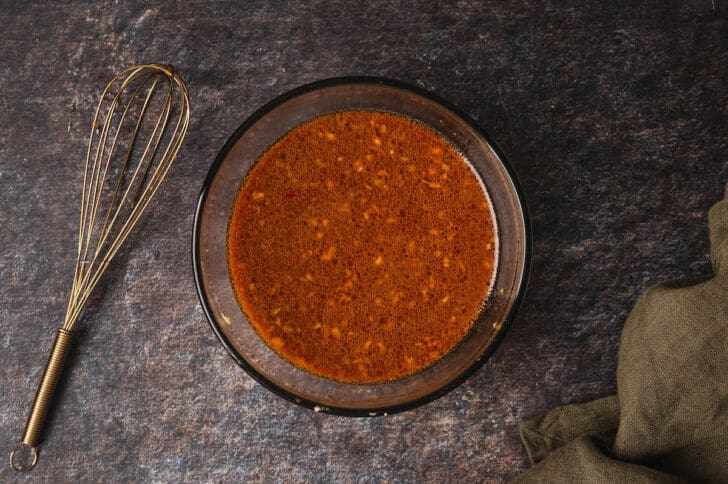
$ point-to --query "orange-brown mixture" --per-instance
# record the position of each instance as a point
(361, 246)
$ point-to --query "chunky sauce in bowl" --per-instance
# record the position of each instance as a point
(361, 246)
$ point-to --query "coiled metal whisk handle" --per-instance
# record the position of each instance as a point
(43, 398)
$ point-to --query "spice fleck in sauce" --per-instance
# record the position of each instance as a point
(361, 246)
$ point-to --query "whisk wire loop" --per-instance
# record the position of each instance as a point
(135, 183)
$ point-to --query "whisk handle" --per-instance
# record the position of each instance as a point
(43, 398)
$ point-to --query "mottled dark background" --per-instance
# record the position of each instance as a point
(613, 115)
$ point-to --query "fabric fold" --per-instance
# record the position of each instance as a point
(669, 419)
(718, 217)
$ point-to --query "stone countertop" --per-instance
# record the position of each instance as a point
(613, 115)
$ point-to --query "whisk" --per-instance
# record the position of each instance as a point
(136, 133)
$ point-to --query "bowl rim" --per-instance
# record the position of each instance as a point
(197, 269)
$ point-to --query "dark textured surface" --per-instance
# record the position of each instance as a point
(614, 117)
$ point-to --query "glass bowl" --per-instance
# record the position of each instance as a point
(216, 292)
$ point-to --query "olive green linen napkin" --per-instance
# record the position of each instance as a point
(669, 419)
